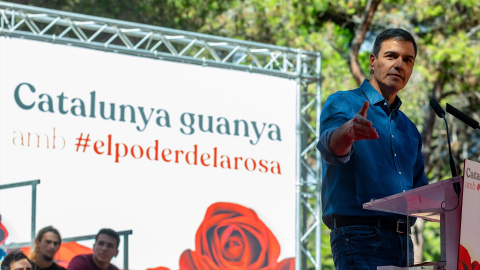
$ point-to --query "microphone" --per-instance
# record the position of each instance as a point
(441, 113)
(437, 108)
(462, 117)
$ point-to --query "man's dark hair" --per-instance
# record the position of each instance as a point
(110, 233)
(14, 256)
(393, 33)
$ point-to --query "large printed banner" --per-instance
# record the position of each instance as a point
(469, 250)
(193, 159)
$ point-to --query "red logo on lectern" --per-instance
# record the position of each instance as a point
(465, 261)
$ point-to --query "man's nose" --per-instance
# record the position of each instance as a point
(399, 64)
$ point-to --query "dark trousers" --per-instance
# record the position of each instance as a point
(366, 247)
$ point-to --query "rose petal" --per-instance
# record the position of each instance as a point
(187, 261)
(264, 246)
(232, 244)
(287, 264)
(464, 260)
(191, 260)
(243, 259)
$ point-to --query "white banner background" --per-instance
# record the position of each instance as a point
(163, 203)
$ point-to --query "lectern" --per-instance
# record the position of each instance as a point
(435, 202)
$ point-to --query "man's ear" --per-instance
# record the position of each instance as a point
(116, 254)
(37, 243)
(372, 60)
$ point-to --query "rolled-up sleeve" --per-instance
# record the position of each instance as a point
(336, 112)
(327, 155)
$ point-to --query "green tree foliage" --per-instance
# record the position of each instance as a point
(190, 15)
(327, 258)
(431, 251)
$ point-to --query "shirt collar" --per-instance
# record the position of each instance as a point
(375, 98)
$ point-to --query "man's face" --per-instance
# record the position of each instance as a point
(22, 264)
(48, 246)
(393, 66)
(104, 249)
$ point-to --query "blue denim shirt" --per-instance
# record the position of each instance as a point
(373, 169)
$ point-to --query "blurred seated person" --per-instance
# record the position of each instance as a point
(2, 254)
(45, 247)
(16, 260)
(104, 249)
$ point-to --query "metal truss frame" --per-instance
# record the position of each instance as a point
(33, 218)
(21, 21)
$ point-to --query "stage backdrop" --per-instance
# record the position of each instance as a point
(126, 142)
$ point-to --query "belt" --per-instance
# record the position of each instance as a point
(395, 225)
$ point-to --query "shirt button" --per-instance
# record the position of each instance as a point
(399, 172)
(393, 136)
(385, 103)
(395, 154)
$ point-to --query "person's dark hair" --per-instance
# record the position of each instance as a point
(110, 233)
(39, 237)
(393, 33)
(14, 256)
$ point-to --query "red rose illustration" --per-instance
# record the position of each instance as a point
(3, 233)
(232, 237)
(465, 261)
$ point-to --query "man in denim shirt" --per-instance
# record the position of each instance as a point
(371, 150)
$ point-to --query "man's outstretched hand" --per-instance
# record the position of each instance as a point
(357, 128)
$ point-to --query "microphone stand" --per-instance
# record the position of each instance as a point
(456, 186)
(441, 113)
